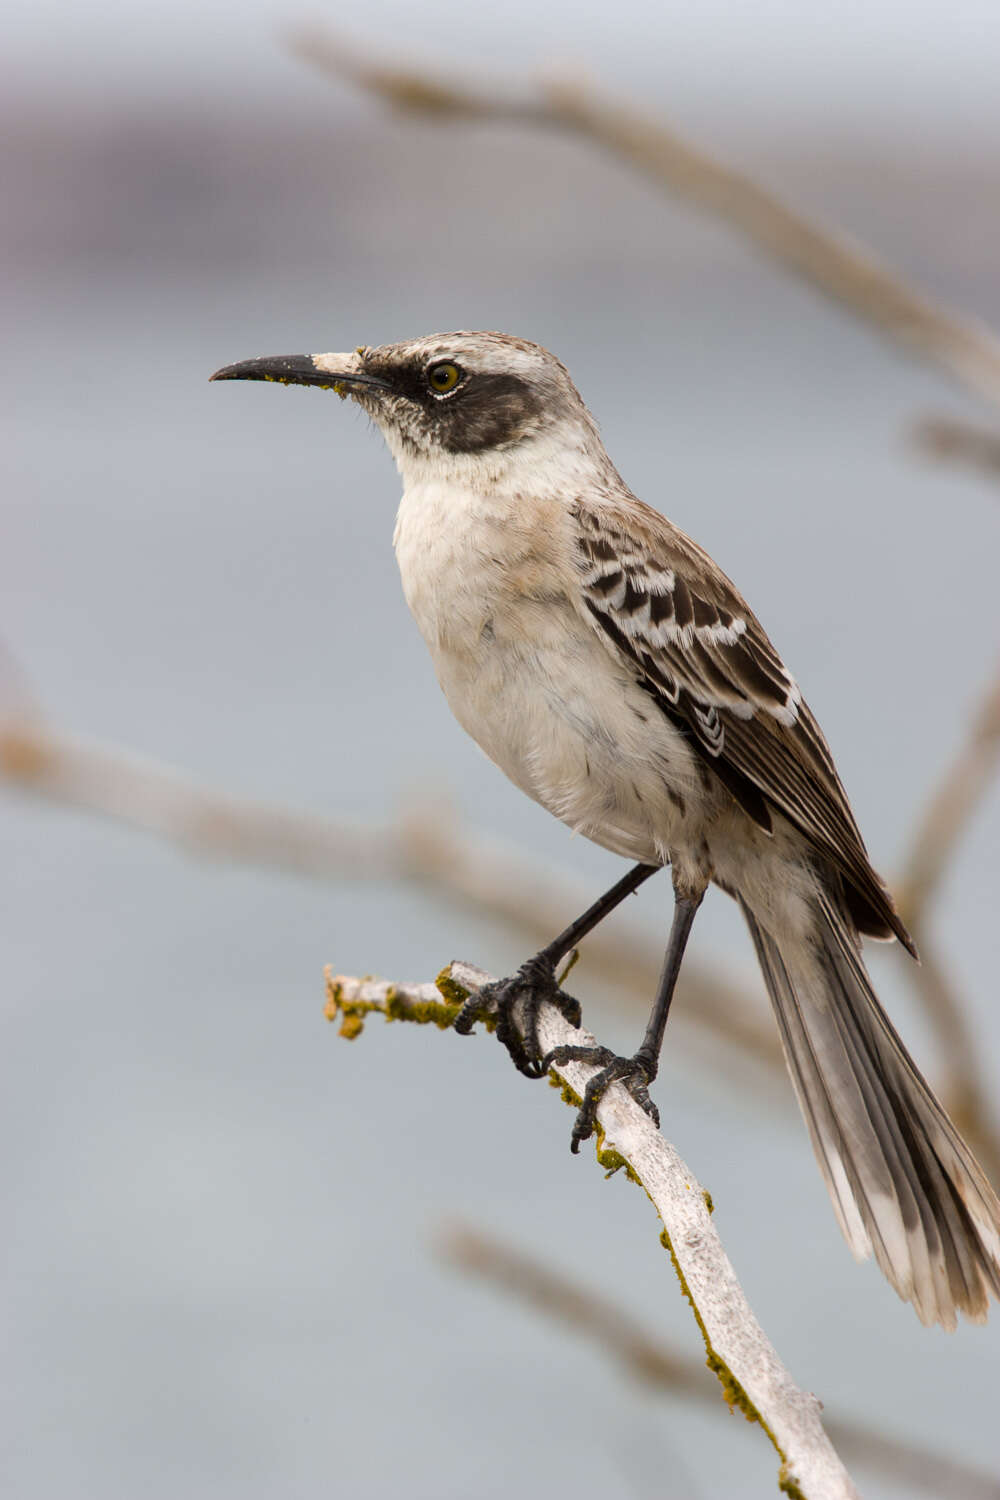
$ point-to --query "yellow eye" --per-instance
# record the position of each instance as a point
(443, 377)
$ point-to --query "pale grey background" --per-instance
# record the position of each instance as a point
(217, 1280)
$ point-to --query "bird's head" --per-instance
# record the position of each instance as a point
(447, 400)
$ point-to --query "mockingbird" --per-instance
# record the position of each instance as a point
(606, 664)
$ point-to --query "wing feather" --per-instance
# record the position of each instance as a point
(661, 603)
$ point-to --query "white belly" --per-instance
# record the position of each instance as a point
(533, 684)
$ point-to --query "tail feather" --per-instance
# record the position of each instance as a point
(903, 1182)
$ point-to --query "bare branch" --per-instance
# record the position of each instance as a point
(410, 89)
(586, 1311)
(146, 794)
(582, 1309)
(739, 1353)
(842, 271)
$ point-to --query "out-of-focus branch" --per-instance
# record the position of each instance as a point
(950, 808)
(945, 438)
(838, 268)
(739, 1353)
(580, 1308)
(588, 1312)
(939, 828)
(969, 1100)
(433, 851)
(145, 794)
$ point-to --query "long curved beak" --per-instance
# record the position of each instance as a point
(325, 370)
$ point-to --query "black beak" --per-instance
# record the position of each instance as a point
(302, 369)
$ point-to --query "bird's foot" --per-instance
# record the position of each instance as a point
(534, 983)
(636, 1073)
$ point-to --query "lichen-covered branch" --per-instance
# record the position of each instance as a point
(839, 268)
(739, 1353)
(557, 1296)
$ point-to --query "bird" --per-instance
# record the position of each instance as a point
(616, 675)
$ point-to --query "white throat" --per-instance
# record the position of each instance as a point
(551, 464)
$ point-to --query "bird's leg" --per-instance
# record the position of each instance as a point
(535, 982)
(636, 1072)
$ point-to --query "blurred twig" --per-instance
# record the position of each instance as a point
(841, 270)
(950, 808)
(968, 1098)
(616, 1334)
(739, 1353)
(144, 793)
(437, 853)
(939, 829)
(17, 701)
(946, 438)
(431, 850)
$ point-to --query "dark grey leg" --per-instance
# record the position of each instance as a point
(535, 981)
(636, 1072)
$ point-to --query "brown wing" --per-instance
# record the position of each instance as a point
(660, 602)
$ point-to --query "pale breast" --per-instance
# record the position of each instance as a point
(531, 681)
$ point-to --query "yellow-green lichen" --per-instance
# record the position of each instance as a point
(351, 1026)
(612, 1161)
(734, 1393)
(567, 1095)
(455, 996)
(607, 1157)
(455, 993)
(440, 1013)
(394, 1006)
(571, 964)
(334, 997)
(787, 1480)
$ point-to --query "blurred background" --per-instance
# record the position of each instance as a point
(222, 1266)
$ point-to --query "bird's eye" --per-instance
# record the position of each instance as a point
(443, 377)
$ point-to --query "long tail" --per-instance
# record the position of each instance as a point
(902, 1180)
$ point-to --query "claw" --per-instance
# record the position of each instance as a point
(533, 984)
(472, 1011)
(636, 1073)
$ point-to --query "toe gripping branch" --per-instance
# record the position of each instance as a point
(515, 1004)
(636, 1073)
